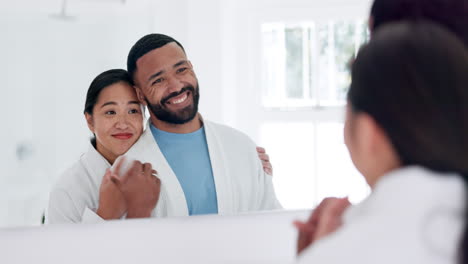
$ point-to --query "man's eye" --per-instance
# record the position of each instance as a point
(158, 81)
(111, 112)
(181, 69)
(133, 111)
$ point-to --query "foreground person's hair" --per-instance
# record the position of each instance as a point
(412, 78)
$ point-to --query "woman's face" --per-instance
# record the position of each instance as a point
(117, 120)
(369, 147)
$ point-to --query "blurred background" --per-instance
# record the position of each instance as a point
(274, 69)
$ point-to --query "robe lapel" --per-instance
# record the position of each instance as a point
(221, 175)
(96, 166)
(172, 200)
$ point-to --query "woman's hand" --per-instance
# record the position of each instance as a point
(324, 220)
(140, 187)
(112, 204)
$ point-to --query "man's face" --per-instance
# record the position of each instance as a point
(166, 82)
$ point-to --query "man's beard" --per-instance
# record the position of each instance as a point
(181, 116)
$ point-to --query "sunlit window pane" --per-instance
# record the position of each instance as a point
(290, 146)
(339, 42)
(306, 64)
(336, 174)
(311, 162)
(294, 62)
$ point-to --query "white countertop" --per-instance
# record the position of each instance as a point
(251, 238)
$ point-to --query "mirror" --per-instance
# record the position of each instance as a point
(54, 49)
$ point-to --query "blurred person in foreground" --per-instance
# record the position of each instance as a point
(407, 133)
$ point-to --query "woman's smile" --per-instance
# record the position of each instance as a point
(123, 136)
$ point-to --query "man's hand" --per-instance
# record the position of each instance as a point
(267, 167)
(324, 220)
(112, 203)
(140, 188)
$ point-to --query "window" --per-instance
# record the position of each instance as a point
(306, 64)
(305, 77)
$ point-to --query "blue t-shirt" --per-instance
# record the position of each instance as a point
(188, 156)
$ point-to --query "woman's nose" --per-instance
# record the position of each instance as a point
(122, 123)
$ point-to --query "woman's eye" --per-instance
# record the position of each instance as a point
(133, 111)
(111, 112)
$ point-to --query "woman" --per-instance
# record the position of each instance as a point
(115, 117)
(407, 133)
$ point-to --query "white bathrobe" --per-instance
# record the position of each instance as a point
(241, 184)
(413, 216)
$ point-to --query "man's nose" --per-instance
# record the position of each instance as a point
(174, 85)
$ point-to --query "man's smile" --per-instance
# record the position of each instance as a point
(180, 101)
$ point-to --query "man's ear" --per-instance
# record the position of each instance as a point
(140, 95)
(90, 121)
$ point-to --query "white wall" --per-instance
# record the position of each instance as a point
(47, 66)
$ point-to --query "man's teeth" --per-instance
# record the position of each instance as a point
(180, 100)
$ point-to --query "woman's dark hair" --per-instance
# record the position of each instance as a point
(452, 14)
(412, 78)
(102, 81)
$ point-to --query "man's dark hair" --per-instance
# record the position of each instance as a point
(451, 14)
(144, 45)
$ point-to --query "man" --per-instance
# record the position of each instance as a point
(204, 168)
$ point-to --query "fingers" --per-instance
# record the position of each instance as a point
(316, 214)
(116, 180)
(338, 206)
(260, 150)
(264, 157)
(303, 227)
(135, 170)
(332, 216)
(147, 169)
(106, 177)
(305, 236)
(158, 183)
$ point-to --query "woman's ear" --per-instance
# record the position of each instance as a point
(90, 121)
(370, 133)
(377, 143)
